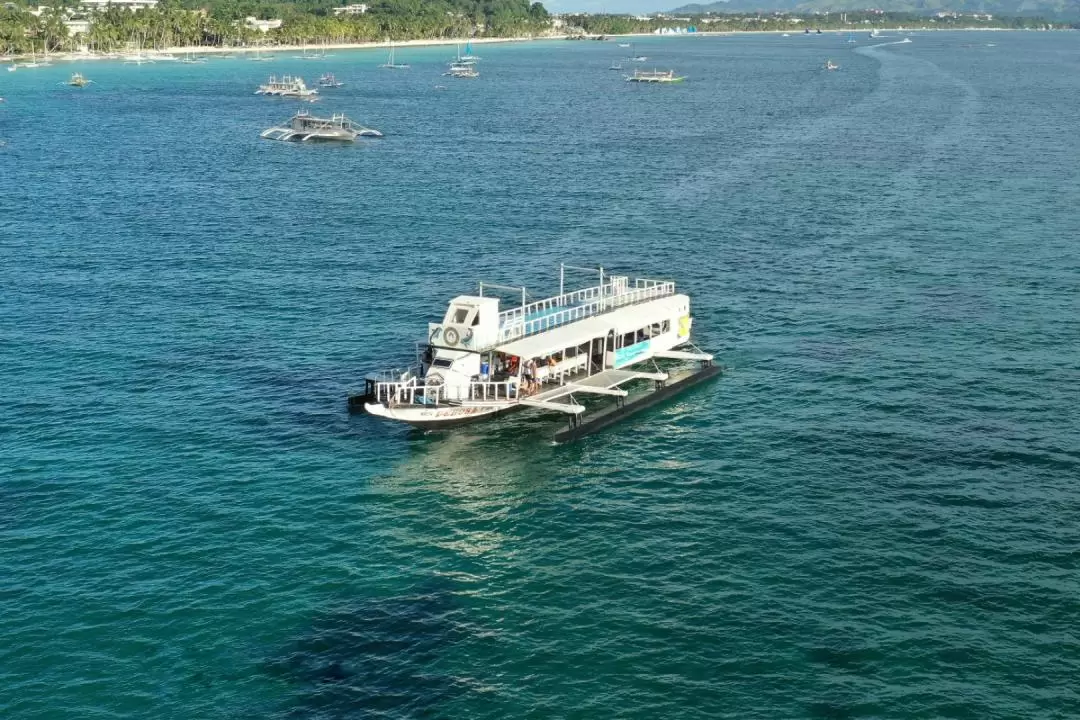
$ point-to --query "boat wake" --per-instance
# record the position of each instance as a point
(905, 41)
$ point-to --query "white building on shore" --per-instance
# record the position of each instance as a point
(262, 25)
(128, 4)
(360, 9)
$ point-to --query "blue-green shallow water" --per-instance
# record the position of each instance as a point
(874, 514)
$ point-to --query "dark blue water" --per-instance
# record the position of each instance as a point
(873, 514)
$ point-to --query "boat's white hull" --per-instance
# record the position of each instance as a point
(437, 417)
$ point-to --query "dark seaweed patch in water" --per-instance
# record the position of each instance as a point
(831, 711)
(374, 658)
(860, 660)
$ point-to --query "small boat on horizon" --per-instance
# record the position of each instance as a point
(615, 66)
(468, 55)
(830, 65)
(462, 70)
(655, 76)
(390, 64)
(328, 80)
(77, 80)
(288, 86)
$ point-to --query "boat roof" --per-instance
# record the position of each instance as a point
(623, 319)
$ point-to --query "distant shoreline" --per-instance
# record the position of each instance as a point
(442, 42)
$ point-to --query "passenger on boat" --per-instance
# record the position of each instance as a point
(531, 380)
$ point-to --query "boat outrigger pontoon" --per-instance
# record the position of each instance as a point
(481, 360)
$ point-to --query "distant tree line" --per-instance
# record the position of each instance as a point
(177, 23)
(793, 22)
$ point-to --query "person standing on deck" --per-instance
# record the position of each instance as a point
(531, 380)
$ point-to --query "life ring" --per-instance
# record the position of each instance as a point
(451, 336)
(435, 334)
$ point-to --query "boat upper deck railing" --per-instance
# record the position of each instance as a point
(550, 313)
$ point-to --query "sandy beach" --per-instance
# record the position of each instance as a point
(234, 50)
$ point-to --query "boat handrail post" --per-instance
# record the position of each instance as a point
(602, 304)
(562, 278)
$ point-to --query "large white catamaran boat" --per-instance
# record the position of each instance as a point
(483, 360)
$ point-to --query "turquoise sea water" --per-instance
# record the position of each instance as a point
(875, 513)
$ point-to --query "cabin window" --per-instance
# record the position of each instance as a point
(476, 320)
(667, 326)
(460, 315)
(654, 330)
(628, 339)
(611, 343)
(442, 363)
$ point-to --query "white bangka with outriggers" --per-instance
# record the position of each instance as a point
(287, 86)
(482, 360)
(304, 127)
(656, 76)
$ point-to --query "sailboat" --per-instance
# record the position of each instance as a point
(137, 58)
(461, 60)
(390, 64)
(468, 52)
(309, 56)
(34, 61)
(851, 37)
(259, 57)
(190, 59)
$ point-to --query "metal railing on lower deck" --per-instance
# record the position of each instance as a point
(413, 393)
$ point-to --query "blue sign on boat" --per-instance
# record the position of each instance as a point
(631, 353)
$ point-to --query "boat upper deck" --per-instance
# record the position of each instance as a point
(554, 312)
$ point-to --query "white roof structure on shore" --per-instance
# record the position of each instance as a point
(132, 4)
(625, 319)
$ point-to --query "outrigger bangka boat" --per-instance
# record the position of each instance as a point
(77, 80)
(328, 80)
(462, 70)
(303, 127)
(287, 86)
(656, 76)
(481, 361)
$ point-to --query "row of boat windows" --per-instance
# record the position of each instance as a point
(633, 338)
(613, 342)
